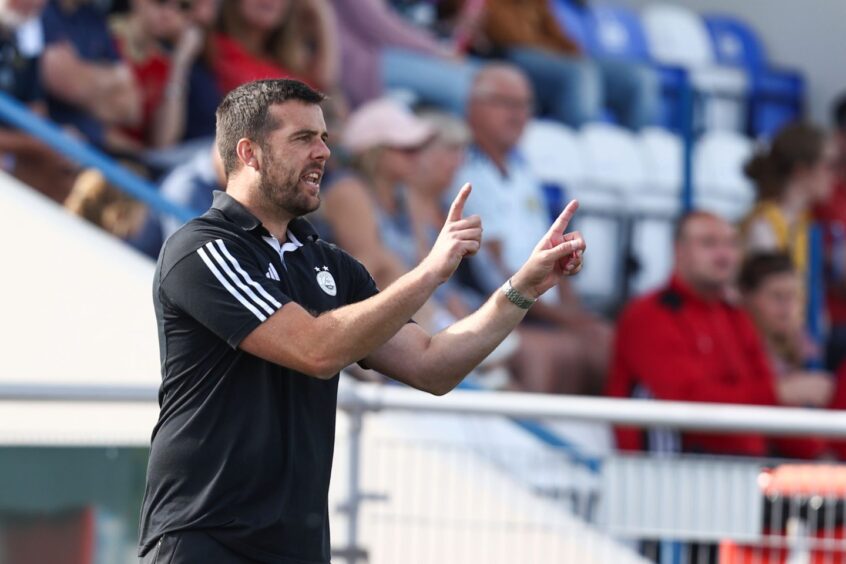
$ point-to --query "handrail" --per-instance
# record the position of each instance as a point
(18, 115)
(360, 397)
(725, 418)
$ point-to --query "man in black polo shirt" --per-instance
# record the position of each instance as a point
(257, 316)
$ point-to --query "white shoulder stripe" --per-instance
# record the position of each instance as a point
(221, 262)
(237, 295)
(246, 276)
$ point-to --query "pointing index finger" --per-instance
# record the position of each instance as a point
(563, 220)
(457, 207)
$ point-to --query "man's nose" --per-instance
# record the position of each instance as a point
(322, 152)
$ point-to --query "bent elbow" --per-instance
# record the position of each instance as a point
(322, 367)
(440, 388)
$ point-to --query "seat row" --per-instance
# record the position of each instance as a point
(630, 187)
(721, 59)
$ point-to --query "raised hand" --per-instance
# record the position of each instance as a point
(556, 255)
(459, 238)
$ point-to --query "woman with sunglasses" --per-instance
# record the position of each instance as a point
(164, 41)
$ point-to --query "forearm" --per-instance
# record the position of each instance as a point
(349, 334)
(458, 349)
(169, 119)
(118, 101)
(327, 60)
(19, 143)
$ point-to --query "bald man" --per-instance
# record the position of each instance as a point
(565, 348)
(688, 341)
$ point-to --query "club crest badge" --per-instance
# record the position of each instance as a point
(326, 281)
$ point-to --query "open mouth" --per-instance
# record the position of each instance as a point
(312, 179)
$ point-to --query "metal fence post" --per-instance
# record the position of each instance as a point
(356, 415)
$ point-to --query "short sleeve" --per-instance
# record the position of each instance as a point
(222, 286)
(362, 285)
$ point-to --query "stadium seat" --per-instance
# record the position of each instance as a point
(775, 95)
(721, 185)
(655, 208)
(617, 32)
(677, 36)
(554, 155)
(571, 18)
(614, 168)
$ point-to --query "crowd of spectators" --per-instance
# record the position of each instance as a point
(417, 106)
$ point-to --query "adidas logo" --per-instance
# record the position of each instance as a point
(271, 273)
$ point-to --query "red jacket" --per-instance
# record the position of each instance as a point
(673, 345)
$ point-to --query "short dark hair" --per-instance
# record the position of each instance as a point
(244, 112)
(760, 266)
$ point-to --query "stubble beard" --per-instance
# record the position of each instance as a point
(279, 187)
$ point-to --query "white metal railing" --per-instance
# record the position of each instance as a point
(358, 401)
(353, 397)
(637, 413)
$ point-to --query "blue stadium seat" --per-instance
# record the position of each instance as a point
(571, 18)
(678, 36)
(617, 32)
(775, 95)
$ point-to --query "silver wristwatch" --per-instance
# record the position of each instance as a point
(516, 297)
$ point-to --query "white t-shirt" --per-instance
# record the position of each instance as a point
(512, 207)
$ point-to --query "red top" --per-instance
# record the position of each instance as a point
(151, 73)
(234, 66)
(832, 214)
(673, 345)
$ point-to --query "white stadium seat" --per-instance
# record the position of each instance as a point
(553, 152)
(720, 183)
(612, 159)
(615, 171)
(655, 207)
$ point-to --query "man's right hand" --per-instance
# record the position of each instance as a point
(556, 255)
(459, 238)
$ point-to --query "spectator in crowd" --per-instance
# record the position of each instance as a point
(23, 155)
(366, 208)
(277, 38)
(381, 51)
(569, 86)
(832, 216)
(567, 346)
(384, 209)
(89, 88)
(790, 176)
(434, 175)
(192, 184)
(163, 41)
(772, 295)
(95, 200)
(689, 342)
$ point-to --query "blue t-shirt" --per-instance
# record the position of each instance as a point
(87, 30)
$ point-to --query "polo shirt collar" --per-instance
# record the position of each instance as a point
(241, 216)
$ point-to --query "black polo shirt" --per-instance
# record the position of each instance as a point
(243, 447)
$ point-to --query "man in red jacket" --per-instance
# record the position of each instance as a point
(689, 342)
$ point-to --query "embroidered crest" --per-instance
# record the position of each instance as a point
(326, 281)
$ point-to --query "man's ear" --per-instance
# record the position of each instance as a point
(249, 153)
